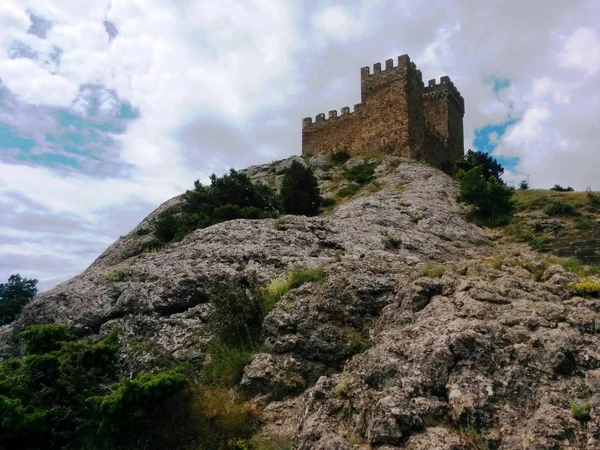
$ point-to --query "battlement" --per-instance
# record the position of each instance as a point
(397, 114)
(444, 88)
(321, 120)
(379, 79)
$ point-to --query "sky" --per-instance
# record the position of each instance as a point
(108, 108)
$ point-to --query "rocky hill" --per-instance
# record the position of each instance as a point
(427, 332)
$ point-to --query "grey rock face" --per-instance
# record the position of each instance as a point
(383, 352)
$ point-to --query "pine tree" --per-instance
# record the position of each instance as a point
(300, 193)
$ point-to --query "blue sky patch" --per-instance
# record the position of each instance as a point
(486, 140)
(82, 139)
(498, 83)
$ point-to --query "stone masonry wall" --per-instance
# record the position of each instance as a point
(392, 117)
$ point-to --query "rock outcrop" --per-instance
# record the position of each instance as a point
(427, 333)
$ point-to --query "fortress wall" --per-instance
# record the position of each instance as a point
(336, 133)
(392, 117)
(434, 147)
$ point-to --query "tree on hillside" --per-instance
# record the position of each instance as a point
(481, 185)
(14, 295)
(490, 167)
(300, 193)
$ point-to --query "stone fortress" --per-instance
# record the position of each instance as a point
(398, 114)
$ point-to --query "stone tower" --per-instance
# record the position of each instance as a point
(397, 115)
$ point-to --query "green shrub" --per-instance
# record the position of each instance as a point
(293, 279)
(524, 184)
(559, 188)
(573, 265)
(119, 275)
(340, 157)
(327, 202)
(341, 389)
(584, 223)
(432, 270)
(226, 365)
(232, 196)
(400, 189)
(300, 193)
(580, 411)
(237, 312)
(361, 174)
(490, 168)
(14, 295)
(593, 199)
(491, 198)
(348, 191)
(560, 209)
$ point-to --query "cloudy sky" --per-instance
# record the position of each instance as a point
(110, 107)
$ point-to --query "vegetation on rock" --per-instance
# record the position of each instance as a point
(481, 186)
(300, 193)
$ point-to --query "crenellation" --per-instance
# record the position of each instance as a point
(413, 120)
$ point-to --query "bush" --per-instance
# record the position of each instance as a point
(300, 193)
(238, 312)
(293, 279)
(361, 174)
(232, 196)
(491, 198)
(14, 295)
(587, 288)
(340, 157)
(593, 199)
(559, 188)
(348, 191)
(584, 223)
(580, 411)
(432, 270)
(490, 168)
(560, 209)
(524, 184)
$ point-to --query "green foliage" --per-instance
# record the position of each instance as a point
(357, 343)
(327, 202)
(490, 196)
(490, 168)
(573, 265)
(593, 199)
(524, 184)
(293, 279)
(232, 196)
(43, 394)
(133, 404)
(432, 270)
(584, 223)
(348, 191)
(580, 411)
(559, 188)
(341, 389)
(226, 364)
(361, 174)
(14, 295)
(560, 209)
(119, 275)
(400, 189)
(300, 193)
(340, 157)
(238, 312)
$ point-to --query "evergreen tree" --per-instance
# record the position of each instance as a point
(300, 193)
(14, 295)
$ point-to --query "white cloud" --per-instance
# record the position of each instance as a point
(34, 84)
(582, 51)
